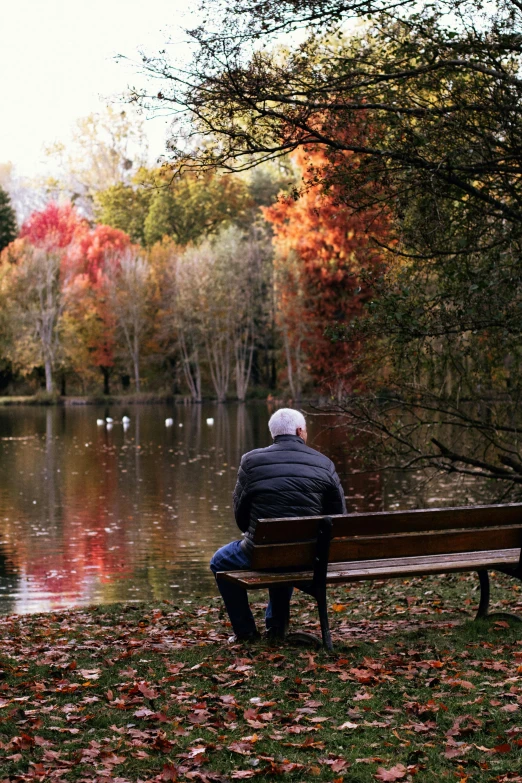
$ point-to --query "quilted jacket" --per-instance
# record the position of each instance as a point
(286, 479)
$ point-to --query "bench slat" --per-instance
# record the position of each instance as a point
(301, 554)
(384, 568)
(381, 522)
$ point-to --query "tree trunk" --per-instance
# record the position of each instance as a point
(191, 369)
(136, 360)
(48, 377)
(244, 353)
(106, 380)
(218, 354)
(289, 369)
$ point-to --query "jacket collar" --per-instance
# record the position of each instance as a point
(293, 438)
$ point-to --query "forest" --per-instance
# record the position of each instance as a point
(204, 284)
(337, 214)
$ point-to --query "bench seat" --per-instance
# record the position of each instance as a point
(388, 568)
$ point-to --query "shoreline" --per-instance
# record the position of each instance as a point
(140, 399)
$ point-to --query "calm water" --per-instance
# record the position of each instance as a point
(95, 515)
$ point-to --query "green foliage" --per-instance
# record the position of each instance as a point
(8, 228)
(124, 207)
(184, 208)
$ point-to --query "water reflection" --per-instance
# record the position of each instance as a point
(93, 514)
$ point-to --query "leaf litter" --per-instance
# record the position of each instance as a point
(151, 693)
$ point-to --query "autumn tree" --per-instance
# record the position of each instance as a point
(37, 269)
(185, 317)
(124, 207)
(437, 89)
(129, 289)
(89, 319)
(215, 305)
(323, 250)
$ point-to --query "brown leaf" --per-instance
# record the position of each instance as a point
(397, 772)
(244, 748)
(149, 693)
(504, 748)
(169, 772)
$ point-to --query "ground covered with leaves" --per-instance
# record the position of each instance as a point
(413, 691)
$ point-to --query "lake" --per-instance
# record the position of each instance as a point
(98, 514)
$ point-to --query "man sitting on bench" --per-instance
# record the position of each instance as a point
(286, 479)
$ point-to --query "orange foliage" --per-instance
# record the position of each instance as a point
(330, 245)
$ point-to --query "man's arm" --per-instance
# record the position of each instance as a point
(334, 501)
(241, 499)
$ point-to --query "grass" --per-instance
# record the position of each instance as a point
(413, 691)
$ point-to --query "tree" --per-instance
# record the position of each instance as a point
(251, 264)
(435, 93)
(37, 268)
(185, 208)
(90, 321)
(106, 149)
(129, 293)
(124, 207)
(439, 101)
(323, 253)
(214, 303)
(8, 228)
(185, 317)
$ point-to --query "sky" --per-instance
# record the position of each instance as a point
(57, 65)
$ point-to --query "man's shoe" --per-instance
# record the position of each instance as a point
(246, 638)
(274, 634)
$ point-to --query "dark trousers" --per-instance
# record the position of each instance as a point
(231, 557)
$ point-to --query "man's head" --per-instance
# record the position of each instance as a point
(287, 421)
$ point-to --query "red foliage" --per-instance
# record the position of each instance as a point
(332, 245)
(54, 228)
(88, 258)
(98, 248)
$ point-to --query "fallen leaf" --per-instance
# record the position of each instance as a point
(397, 772)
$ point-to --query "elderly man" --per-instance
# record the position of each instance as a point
(286, 479)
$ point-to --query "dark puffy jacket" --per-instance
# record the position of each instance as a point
(286, 479)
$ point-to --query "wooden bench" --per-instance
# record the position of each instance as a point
(313, 552)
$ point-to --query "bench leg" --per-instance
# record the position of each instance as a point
(482, 611)
(310, 638)
(323, 617)
(318, 586)
(483, 607)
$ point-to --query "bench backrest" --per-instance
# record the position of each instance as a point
(290, 542)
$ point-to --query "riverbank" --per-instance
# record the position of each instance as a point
(144, 398)
(139, 692)
(93, 399)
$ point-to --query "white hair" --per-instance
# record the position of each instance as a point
(285, 421)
